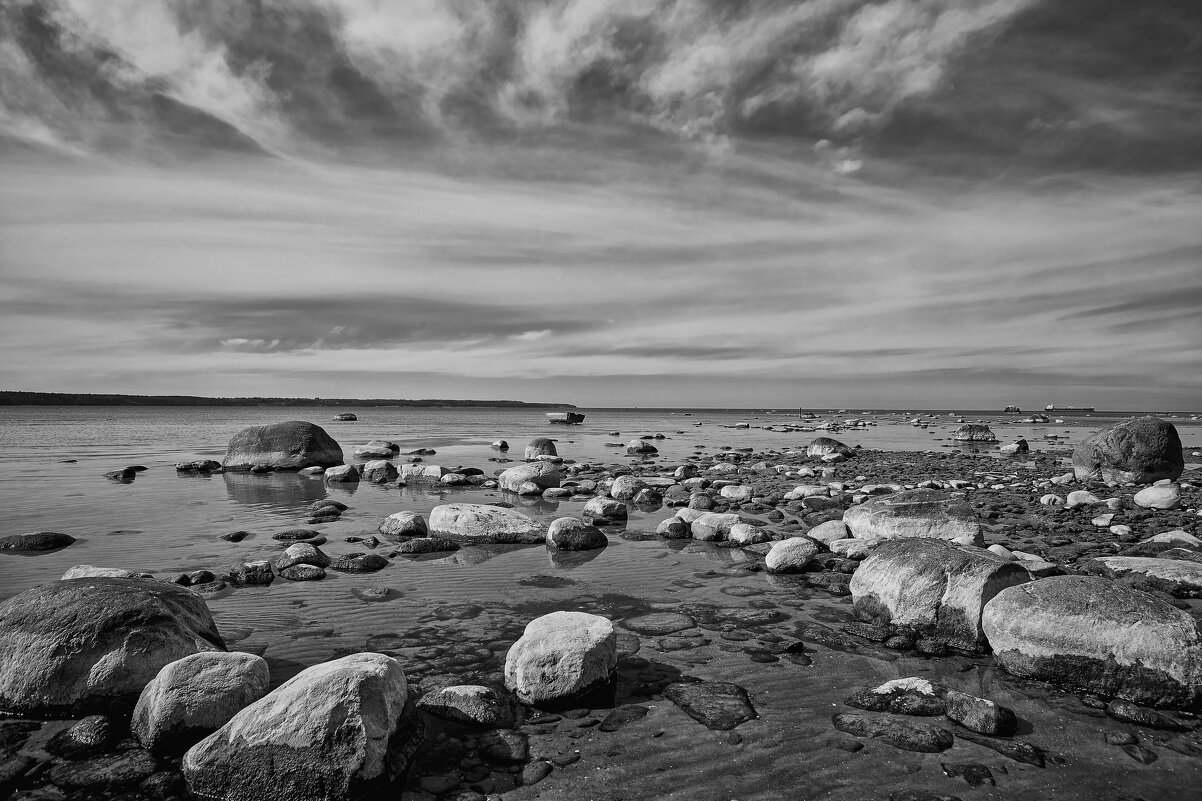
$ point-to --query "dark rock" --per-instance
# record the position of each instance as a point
(359, 563)
(36, 541)
(505, 746)
(623, 716)
(235, 536)
(284, 446)
(124, 476)
(715, 704)
(1141, 754)
(1140, 451)
(902, 733)
(296, 534)
(109, 772)
(420, 545)
(979, 714)
(976, 774)
(200, 466)
(252, 574)
(303, 572)
(1018, 750)
(659, 623)
(89, 737)
(535, 772)
(1148, 718)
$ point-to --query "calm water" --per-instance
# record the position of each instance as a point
(165, 523)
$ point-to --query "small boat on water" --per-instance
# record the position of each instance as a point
(1051, 407)
(565, 418)
(346, 417)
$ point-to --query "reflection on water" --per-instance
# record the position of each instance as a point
(284, 491)
(570, 560)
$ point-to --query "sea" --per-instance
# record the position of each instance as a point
(450, 618)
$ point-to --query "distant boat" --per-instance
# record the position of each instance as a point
(1051, 407)
(565, 418)
(1012, 409)
(346, 417)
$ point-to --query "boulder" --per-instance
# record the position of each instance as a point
(68, 648)
(380, 471)
(973, 432)
(713, 526)
(573, 534)
(744, 534)
(1094, 634)
(825, 446)
(302, 553)
(477, 523)
(338, 730)
(91, 571)
(561, 655)
(540, 446)
(1167, 496)
(829, 531)
(283, 446)
(1177, 576)
(342, 474)
(1139, 451)
(640, 447)
(403, 524)
(604, 511)
(36, 541)
(472, 704)
(737, 493)
(192, 697)
(1016, 448)
(626, 487)
(914, 513)
(933, 587)
(543, 475)
(791, 555)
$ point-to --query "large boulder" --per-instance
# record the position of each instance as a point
(193, 697)
(933, 587)
(573, 534)
(542, 474)
(713, 526)
(626, 487)
(913, 513)
(400, 525)
(826, 446)
(561, 655)
(379, 471)
(70, 648)
(1140, 451)
(284, 446)
(335, 731)
(540, 446)
(1094, 634)
(478, 523)
(974, 432)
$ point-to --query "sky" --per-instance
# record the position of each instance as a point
(849, 203)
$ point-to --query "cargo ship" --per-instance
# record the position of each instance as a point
(1051, 407)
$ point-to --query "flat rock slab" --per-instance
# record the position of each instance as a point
(907, 735)
(659, 623)
(717, 705)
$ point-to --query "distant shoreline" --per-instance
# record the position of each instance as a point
(14, 398)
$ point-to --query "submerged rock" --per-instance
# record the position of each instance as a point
(914, 513)
(1139, 451)
(471, 704)
(1097, 635)
(561, 655)
(90, 645)
(933, 587)
(334, 731)
(902, 733)
(718, 705)
(282, 446)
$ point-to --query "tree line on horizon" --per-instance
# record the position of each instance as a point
(18, 398)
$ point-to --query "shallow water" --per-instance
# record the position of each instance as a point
(454, 615)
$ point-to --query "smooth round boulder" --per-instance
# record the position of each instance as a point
(544, 475)
(192, 697)
(914, 513)
(561, 655)
(573, 534)
(1167, 496)
(625, 488)
(481, 524)
(283, 446)
(36, 541)
(342, 474)
(933, 587)
(604, 511)
(540, 446)
(74, 647)
(791, 555)
(302, 553)
(826, 446)
(403, 524)
(338, 730)
(1097, 635)
(1139, 451)
(640, 447)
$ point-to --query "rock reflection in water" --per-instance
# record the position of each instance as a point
(284, 491)
(477, 554)
(570, 560)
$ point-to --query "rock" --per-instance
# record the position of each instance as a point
(1149, 718)
(825, 446)
(747, 534)
(192, 697)
(1081, 498)
(713, 526)
(673, 528)
(1176, 537)
(1139, 451)
(93, 735)
(359, 563)
(907, 696)
(303, 573)
(505, 747)
(251, 574)
(199, 466)
(337, 730)
(913, 513)
(125, 476)
(1019, 446)
(342, 474)
(282, 446)
(853, 548)
(637, 447)
(1160, 497)
(540, 446)
(1178, 577)
(1017, 750)
(302, 553)
(976, 774)
(980, 714)
(973, 432)
(907, 735)
(403, 524)
(573, 534)
(543, 475)
(68, 648)
(829, 531)
(380, 471)
(604, 511)
(791, 555)
(475, 523)
(931, 586)
(717, 705)
(36, 541)
(623, 716)
(91, 571)
(657, 624)
(535, 772)
(471, 704)
(103, 773)
(1100, 636)
(561, 655)
(420, 545)
(500, 445)
(626, 487)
